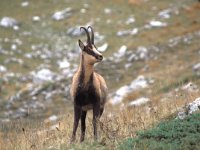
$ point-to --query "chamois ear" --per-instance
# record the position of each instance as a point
(81, 45)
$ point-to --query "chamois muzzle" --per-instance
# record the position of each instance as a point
(99, 57)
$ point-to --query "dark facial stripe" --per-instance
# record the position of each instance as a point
(89, 51)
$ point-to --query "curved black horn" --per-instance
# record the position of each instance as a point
(92, 36)
(88, 36)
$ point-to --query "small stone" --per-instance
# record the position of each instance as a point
(63, 64)
(196, 67)
(123, 33)
(25, 4)
(36, 18)
(194, 106)
(130, 20)
(190, 87)
(63, 14)
(8, 22)
(122, 50)
(83, 10)
(139, 101)
(43, 75)
(154, 23)
(2, 69)
(13, 46)
(75, 31)
(165, 14)
(139, 83)
(53, 118)
(107, 10)
(142, 52)
(134, 31)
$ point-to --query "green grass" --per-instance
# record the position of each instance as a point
(85, 146)
(174, 134)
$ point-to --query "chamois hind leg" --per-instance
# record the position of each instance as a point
(96, 116)
(77, 114)
(83, 116)
(101, 111)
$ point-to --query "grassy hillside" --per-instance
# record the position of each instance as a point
(173, 134)
(161, 46)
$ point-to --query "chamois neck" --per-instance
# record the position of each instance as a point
(86, 70)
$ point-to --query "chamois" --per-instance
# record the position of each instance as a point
(88, 89)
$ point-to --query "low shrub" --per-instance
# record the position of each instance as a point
(174, 134)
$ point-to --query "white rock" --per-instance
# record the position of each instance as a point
(154, 23)
(134, 31)
(83, 10)
(8, 22)
(142, 52)
(28, 55)
(60, 15)
(51, 147)
(123, 90)
(196, 67)
(108, 21)
(122, 50)
(63, 64)
(53, 118)
(181, 115)
(13, 46)
(43, 75)
(107, 10)
(189, 109)
(128, 65)
(75, 31)
(5, 120)
(55, 127)
(25, 4)
(10, 74)
(119, 95)
(190, 87)
(123, 33)
(36, 18)
(98, 36)
(130, 20)
(85, 5)
(139, 83)
(2, 69)
(139, 101)
(15, 27)
(194, 106)
(132, 57)
(103, 48)
(165, 14)
(15, 60)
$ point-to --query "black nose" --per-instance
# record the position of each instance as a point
(100, 57)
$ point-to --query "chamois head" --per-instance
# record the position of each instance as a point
(90, 52)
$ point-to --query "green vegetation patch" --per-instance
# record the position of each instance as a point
(175, 135)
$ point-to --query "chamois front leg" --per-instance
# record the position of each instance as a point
(96, 116)
(77, 114)
(83, 116)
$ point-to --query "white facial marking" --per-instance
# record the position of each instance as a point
(95, 50)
